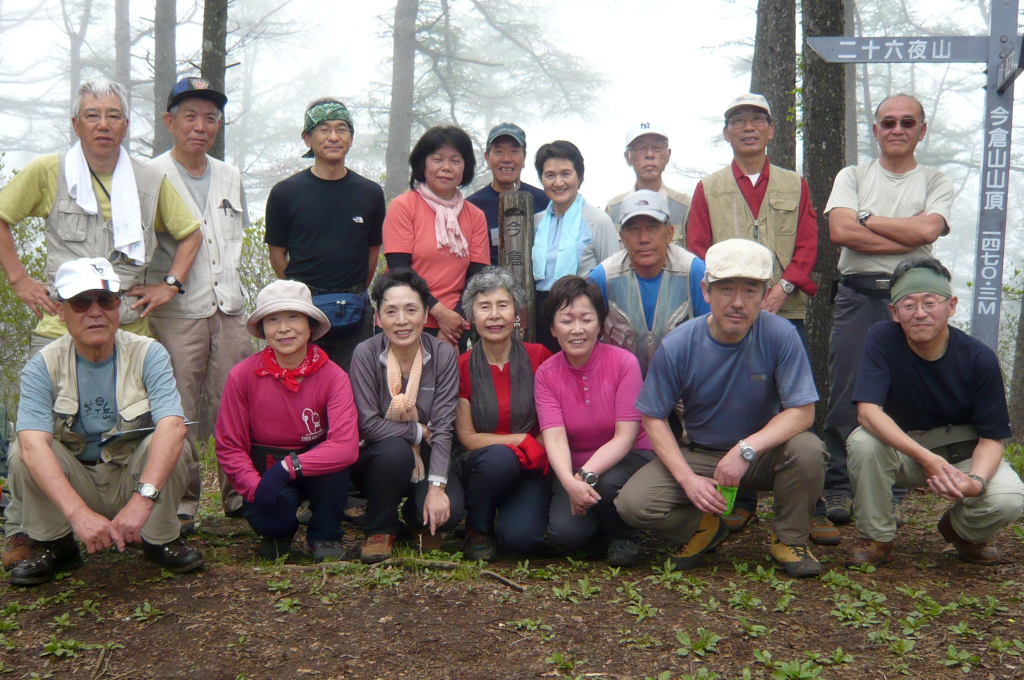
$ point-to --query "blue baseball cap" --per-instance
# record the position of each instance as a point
(506, 130)
(195, 88)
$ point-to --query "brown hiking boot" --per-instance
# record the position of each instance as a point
(711, 532)
(823, 532)
(377, 548)
(975, 553)
(797, 560)
(427, 541)
(739, 519)
(19, 546)
(868, 551)
(479, 545)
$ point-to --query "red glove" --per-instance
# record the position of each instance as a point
(531, 454)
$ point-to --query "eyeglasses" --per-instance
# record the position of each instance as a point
(891, 123)
(908, 308)
(326, 130)
(81, 304)
(642, 147)
(755, 119)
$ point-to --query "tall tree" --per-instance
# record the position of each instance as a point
(403, 76)
(76, 22)
(773, 74)
(215, 36)
(165, 72)
(123, 54)
(824, 107)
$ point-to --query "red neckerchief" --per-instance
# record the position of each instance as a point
(314, 361)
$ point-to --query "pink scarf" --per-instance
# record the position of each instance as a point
(446, 220)
(314, 361)
(403, 406)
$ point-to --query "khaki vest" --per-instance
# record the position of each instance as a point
(61, 360)
(774, 228)
(678, 209)
(626, 326)
(72, 233)
(213, 282)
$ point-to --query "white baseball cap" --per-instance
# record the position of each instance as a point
(738, 258)
(641, 129)
(748, 99)
(643, 202)
(86, 273)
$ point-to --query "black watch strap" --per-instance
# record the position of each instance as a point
(296, 465)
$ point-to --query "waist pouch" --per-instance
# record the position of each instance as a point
(264, 457)
(345, 311)
(955, 443)
(867, 284)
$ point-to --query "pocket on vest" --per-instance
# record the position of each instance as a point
(72, 226)
(782, 217)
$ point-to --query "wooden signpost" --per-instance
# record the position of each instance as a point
(515, 252)
(1003, 55)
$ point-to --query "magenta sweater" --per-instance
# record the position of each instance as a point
(260, 410)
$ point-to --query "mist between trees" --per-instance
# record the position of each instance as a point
(475, 63)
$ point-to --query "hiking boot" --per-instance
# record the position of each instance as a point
(45, 560)
(839, 509)
(327, 550)
(479, 545)
(711, 532)
(177, 556)
(739, 519)
(623, 553)
(19, 546)
(797, 560)
(377, 548)
(868, 551)
(974, 553)
(897, 514)
(273, 548)
(823, 532)
(305, 514)
(355, 515)
(188, 524)
(233, 514)
(427, 541)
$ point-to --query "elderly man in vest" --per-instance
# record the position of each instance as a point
(97, 202)
(204, 329)
(648, 153)
(653, 285)
(100, 441)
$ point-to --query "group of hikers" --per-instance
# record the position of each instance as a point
(669, 383)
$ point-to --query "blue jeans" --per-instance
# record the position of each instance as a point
(327, 495)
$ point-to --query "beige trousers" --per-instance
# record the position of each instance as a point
(105, 488)
(794, 472)
(875, 467)
(203, 352)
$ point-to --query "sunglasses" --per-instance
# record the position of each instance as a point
(891, 123)
(108, 302)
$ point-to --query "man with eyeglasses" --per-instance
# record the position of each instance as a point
(101, 438)
(880, 212)
(98, 202)
(324, 224)
(648, 153)
(932, 412)
(204, 329)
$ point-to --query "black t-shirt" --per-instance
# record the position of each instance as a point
(328, 227)
(487, 200)
(964, 387)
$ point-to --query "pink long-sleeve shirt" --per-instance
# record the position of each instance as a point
(261, 410)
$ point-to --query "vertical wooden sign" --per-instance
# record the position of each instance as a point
(515, 252)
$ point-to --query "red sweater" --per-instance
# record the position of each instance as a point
(260, 410)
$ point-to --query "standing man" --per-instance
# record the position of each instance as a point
(204, 329)
(97, 202)
(880, 213)
(648, 153)
(506, 157)
(324, 223)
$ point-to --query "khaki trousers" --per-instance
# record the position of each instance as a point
(105, 488)
(794, 472)
(203, 352)
(875, 467)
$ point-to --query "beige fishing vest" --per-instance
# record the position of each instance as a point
(774, 228)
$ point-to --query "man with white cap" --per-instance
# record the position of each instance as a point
(506, 156)
(101, 435)
(746, 386)
(652, 285)
(648, 153)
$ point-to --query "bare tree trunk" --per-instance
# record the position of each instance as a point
(123, 55)
(403, 75)
(773, 74)
(1017, 384)
(850, 71)
(215, 37)
(824, 156)
(164, 70)
(76, 38)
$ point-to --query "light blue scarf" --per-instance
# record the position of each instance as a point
(567, 261)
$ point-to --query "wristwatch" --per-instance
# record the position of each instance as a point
(863, 216)
(147, 491)
(787, 287)
(440, 485)
(747, 451)
(172, 280)
(981, 480)
(588, 477)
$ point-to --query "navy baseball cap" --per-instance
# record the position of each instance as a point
(195, 88)
(506, 130)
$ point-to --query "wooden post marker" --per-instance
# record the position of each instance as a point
(515, 252)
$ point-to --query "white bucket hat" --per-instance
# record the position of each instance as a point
(738, 258)
(287, 296)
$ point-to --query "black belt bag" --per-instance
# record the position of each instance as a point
(955, 443)
(872, 285)
(345, 311)
(264, 457)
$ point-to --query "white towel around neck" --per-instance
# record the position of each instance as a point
(125, 210)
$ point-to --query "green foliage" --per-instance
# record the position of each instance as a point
(645, 641)
(288, 605)
(562, 663)
(61, 623)
(753, 630)
(147, 612)
(64, 649)
(795, 670)
(705, 642)
(961, 657)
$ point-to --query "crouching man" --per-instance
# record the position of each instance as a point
(748, 398)
(88, 458)
(932, 411)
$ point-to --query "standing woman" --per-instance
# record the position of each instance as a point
(591, 428)
(505, 470)
(437, 234)
(571, 236)
(406, 384)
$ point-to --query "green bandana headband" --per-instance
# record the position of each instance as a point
(921, 280)
(324, 112)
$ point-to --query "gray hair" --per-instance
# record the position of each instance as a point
(489, 280)
(100, 88)
(174, 109)
(901, 95)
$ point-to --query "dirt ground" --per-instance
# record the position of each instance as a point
(925, 616)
